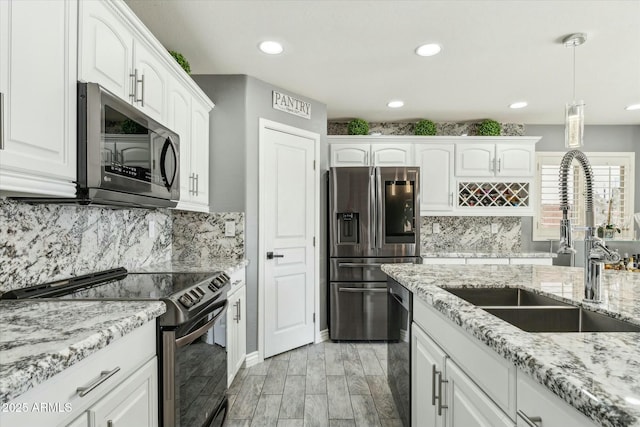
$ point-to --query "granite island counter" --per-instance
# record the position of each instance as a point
(596, 373)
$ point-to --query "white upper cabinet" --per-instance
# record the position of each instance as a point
(358, 151)
(106, 49)
(38, 45)
(436, 176)
(349, 155)
(200, 154)
(502, 159)
(112, 55)
(392, 154)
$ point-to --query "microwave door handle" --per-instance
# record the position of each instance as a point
(163, 157)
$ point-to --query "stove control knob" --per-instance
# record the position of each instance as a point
(186, 300)
(213, 286)
(198, 291)
(194, 295)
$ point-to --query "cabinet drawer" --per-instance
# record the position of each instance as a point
(127, 353)
(536, 401)
(490, 371)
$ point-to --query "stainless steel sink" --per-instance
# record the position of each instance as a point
(503, 297)
(532, 312)
(560, 319)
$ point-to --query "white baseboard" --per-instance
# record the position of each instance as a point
(252, 359)
(323, 336)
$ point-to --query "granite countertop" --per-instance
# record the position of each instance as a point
(228, 265)
(39, 339)
(480, 254)
(597, 373)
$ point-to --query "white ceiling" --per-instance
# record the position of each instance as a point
(355, 56)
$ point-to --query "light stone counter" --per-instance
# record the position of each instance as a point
(597, 373)
(228, 265)
(39, 339)
(477, 254)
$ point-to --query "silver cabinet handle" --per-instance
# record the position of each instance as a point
(440, 381)
(451, 199)
(135, 91)
(530, 421)
(433, 384)
(197, 184)
(142, 90)
(110, 423)
(362, 290)
(492, 166)
(235, 317)
(104, 375)
(499, 164)
(239, 315)
(134, 85)
(1, 121)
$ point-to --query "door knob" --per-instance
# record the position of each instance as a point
(271, 255)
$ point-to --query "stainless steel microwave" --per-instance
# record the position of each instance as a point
(124, 157)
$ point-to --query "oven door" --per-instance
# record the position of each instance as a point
(194, 372)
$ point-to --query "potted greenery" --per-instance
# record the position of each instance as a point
(489, 127)
(181, 60)
(608, 230)
(358, 127)
(425, 127)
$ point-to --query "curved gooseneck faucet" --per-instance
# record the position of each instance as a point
(596, 254)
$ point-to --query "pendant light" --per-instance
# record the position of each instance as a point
(574, 111)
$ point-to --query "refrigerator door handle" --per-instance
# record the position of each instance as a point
(372, 208)
(379, 213)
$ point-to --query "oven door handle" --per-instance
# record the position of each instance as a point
(191, 337)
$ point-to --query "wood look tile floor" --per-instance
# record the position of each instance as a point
(327, 384)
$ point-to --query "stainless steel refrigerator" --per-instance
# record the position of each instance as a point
(374, 218)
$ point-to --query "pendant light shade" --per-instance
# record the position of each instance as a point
(574, 111)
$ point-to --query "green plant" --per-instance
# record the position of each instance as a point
(358, 127)
(489, 127)
(425, 127)
(181, 60)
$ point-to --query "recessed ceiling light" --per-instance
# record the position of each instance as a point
(519, 104)
(632, 107)
(271, 47)
(395, 104)
(428, 49)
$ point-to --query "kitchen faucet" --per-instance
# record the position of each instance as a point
(596, 254)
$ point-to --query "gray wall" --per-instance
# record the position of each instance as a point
(597, 138)
(240, 102)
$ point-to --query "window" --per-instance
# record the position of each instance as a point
(613, 189)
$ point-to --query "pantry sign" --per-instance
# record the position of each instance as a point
(291, 105)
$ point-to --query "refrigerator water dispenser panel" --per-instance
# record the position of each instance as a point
(348, 226)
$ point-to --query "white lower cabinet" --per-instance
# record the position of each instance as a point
(542, 408)
(427, 365)
(236, 325)
(118, 384)
(457, 381)
(467, 405)
(442, 394)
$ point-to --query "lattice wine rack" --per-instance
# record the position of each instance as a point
(493, 194)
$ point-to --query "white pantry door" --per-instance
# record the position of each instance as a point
(289, 214)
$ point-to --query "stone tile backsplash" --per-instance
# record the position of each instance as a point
(406, 128)
(41, 243)
(470, 234)
(201, 236)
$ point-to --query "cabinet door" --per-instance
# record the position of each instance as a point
(106, 49)
(349, 155)
(436, 177)
(467, 405)
(536, 401)
(427, 366)
(38, 83)
(200, 154)
(515, 160)
(392, 155)
(242, 327)
(132, 403)
(151, 84)
(179, 120)
(475, 159)
(236, 332)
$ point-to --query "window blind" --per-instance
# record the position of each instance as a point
(612, 193)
